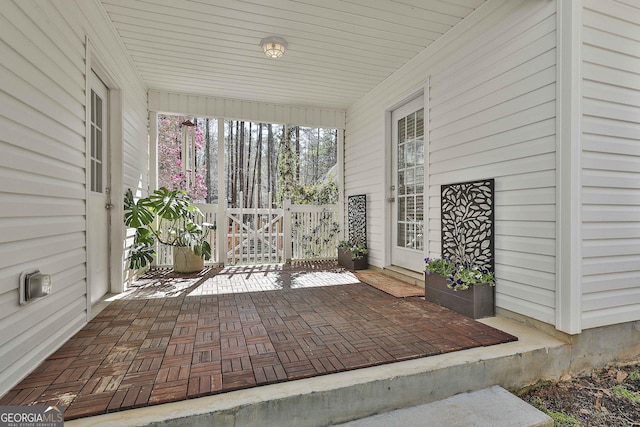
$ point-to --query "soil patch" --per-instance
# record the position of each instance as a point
(605, 397)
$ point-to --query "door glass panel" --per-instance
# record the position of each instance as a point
(401, 183)
(401, 235)
(419, 177)
(419, 123)
(410, 178)
(411, 126)
(419, 208)
(97, 150)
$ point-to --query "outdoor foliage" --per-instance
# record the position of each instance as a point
(167, 217)
(459, 275)
(356, 250)
(262, 164)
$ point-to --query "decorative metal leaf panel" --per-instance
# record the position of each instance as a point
(467, 214)
(357, 219)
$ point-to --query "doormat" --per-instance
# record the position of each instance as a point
(392, 286)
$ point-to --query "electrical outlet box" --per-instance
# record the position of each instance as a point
(34, 285)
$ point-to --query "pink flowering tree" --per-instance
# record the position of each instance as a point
(170, 168)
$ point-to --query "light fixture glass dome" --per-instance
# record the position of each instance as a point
(273, 47)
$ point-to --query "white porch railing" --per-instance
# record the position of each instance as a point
(267, 235)
(314, 231)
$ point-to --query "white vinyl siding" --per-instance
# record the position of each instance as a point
(610, 162)
(492, 115)
(42, 168)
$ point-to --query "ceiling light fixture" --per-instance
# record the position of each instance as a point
(273, 47)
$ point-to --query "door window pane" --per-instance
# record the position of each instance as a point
(410, 179)
(97, 151)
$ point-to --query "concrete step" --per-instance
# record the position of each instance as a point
(352, 395)
(489, 407)
(408, 276)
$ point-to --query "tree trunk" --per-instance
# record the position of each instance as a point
(240, 157)
(297, 157)
(270, 170)
(231, 182)
(257, 169)
(316, 162)
(248, 177)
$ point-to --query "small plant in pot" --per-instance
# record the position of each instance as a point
(353, 255)
(170, 218)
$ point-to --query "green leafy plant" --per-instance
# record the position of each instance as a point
(357, 251)
(167, 217)
(460, 276)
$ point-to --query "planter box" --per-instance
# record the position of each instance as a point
(476, 302)
(352, 264)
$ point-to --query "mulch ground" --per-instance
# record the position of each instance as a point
(605, 397)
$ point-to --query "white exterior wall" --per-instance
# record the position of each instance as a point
(492, 114)
(42, 166)
(610, 162)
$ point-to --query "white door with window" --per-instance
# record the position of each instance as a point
(99, 203)
(407, 186)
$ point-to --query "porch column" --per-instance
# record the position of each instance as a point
(340, 180)
(286, 230)
(568, 167)
(222, 223)
(153, 151)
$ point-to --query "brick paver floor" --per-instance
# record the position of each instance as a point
(174, 338)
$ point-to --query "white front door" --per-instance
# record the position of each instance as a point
(99, 203)
(407, 186)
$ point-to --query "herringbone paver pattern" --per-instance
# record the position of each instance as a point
(176, 338)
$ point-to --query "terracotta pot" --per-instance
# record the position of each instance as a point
(185, 261)
(352, 264)
(476, 302)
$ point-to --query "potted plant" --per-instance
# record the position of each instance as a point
(466, 288)
(353, 255)
(169, 218)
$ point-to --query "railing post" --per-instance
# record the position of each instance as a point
(223, 222)
(286, 230)
(222, 230)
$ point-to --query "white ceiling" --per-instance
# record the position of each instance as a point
(338, 49)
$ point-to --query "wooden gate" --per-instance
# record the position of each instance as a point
(255, 236)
